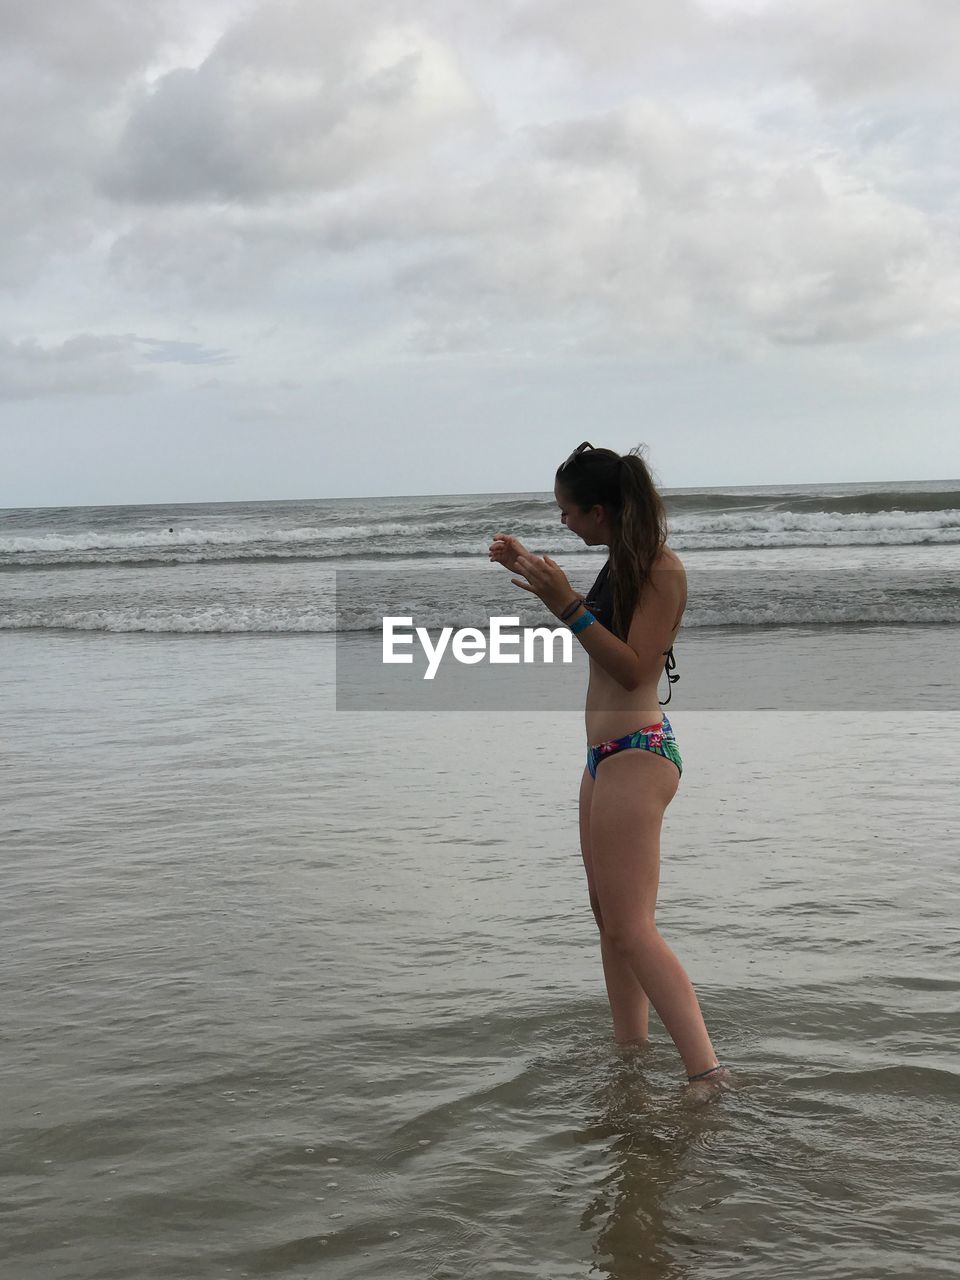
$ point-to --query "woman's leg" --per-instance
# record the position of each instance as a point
(628, 1000)
(630, 793)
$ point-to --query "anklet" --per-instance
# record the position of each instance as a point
(709, 1072)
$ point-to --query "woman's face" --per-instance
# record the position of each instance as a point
(588, 525)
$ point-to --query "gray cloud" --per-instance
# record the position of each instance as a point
(65, 69)
(631, 225)
(291, 100)
(312, 131)
(97, 40)
(297, 191)
(859, 50)
(622, 33)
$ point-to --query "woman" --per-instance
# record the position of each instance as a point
(627, 623)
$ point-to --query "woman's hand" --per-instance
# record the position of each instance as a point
(505, 549)
(545, 578)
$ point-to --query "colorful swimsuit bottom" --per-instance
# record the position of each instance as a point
(657, 738)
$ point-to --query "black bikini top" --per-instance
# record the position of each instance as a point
(600, 604)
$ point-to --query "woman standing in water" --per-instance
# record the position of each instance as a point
(627, 623)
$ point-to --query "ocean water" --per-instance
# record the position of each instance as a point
(291, 990)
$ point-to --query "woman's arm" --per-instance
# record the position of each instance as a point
(619, 660)
(650, 627)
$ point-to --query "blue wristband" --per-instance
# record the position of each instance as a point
(581, 623)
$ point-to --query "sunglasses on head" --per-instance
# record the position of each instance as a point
(581, 448)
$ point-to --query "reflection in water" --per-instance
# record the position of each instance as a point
(644, 1211)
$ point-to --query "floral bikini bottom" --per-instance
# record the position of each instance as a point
(657, 738)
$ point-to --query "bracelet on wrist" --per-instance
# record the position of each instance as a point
(581, 623)
(572, 608)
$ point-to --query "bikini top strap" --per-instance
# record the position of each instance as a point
(672, 679)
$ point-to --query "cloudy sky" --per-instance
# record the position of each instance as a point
(312, 248)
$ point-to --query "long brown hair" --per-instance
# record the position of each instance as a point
(624, 485)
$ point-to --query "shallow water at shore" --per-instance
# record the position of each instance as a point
(290, 992)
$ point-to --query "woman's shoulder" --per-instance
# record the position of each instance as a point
(667, 558)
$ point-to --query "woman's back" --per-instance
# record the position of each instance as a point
(612, 710)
